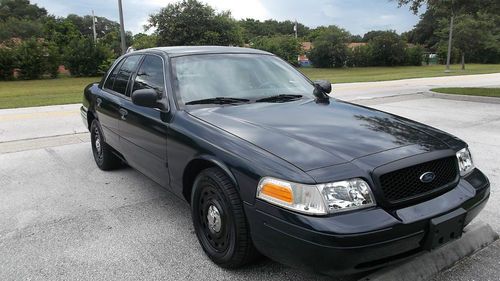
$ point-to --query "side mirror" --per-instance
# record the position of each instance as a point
(145, 97)
(324, 85)
(321, 90)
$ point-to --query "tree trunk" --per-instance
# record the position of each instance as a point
(450, 39)
(463, 60)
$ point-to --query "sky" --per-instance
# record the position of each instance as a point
(357, 16)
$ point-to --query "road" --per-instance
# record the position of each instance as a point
(61, 218)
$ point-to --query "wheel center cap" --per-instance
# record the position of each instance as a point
(98, 145)
(214, 219)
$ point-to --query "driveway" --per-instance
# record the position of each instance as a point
(61, 218)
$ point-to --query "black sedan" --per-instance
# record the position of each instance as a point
(271, 164)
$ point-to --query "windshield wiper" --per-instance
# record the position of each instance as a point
(279, 98)
(218, 100)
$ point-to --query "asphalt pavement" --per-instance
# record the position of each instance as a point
(61, 218)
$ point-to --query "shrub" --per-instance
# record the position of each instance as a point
(30, 54)
(8, 61)
(360, 56)
(414, 56)
(84, 58)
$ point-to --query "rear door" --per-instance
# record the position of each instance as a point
(108, 100)
(144, 130)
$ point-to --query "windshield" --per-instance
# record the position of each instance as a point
(236, 76)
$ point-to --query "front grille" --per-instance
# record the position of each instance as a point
(405, 184)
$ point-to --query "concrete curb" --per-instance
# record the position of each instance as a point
(426, 265)
(462, 97)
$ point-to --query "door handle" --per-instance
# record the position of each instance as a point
(123, 113)
(98, 101)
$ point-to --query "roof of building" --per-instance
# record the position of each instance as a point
(356, 44)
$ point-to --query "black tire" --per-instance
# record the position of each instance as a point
(103, 154)
(228, 243)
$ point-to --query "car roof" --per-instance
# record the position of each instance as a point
(197, 50)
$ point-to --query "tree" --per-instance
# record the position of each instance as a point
(388, 49)
(453, 8)
(20, 9)
(254, 28)
(468, 39)
(84, 58)
(20, 28)
(372, 34)
(424, 32)
(60, 31)
(144, 41)
(330, 47)
(191, 22)
(285, 47)
(112, 39)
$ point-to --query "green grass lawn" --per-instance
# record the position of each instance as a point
(15, 94)
(485, 92)
(369, 74)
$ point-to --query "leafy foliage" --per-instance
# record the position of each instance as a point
(144, 41)
(360, 56)
(191, 22)
(330, 47)
(387, 49)
(414, 55)
(8, 61)
(286, 47)
(20, 9)
(30, 59)
(20, 28)
(84, 58)
(255, 28)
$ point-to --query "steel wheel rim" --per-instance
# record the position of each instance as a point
(213, 220)
(97, 143)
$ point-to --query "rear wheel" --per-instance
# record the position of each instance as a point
(103, 154)
(219, 221)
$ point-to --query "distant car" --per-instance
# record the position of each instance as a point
(271, 164)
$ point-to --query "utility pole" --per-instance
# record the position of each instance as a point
(450, 37)
(93, 27)
(122, 28)
(295, 29)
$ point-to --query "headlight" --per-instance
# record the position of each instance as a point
(465, 163)
(317, 199)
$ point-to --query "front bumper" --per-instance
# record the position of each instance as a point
(360, 240)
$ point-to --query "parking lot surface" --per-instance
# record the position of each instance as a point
(61, 218)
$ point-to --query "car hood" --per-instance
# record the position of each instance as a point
(311, 135)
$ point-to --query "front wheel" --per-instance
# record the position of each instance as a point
(103, 154)
(219, 221)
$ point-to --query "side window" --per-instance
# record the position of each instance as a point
(111, 77)
(123, 76)
(150, 75)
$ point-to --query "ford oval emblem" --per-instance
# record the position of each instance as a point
(427, 177)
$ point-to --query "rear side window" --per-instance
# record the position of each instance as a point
(111, 77)
(123, 76)
(150, 75)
